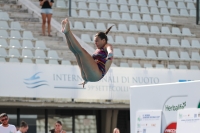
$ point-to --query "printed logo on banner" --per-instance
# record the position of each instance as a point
(171, 128)
(138, 125)
(35, 81)
(175, 107)
(180, 116)
(139, 119)
(185, 116)
(153, 125)
(184, 80)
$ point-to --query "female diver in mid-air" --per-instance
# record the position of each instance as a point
(94, 67)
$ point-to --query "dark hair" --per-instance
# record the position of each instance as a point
(52, 130)
(3, 115)
(59, 122)
(23, 124)
(103, 35)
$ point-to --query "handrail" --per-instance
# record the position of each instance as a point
(197, 12)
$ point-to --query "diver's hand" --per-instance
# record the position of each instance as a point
(110, 56)
(85, 82)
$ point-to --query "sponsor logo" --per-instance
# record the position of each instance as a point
(184, 80)
(153, 125)
(198, 105)
(171, 128)
(139, 119)
(35, 81)
(175, 107)
(138, 125)
(180, 116)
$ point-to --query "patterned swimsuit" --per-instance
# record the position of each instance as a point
(100, 56)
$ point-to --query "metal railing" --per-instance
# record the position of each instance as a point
(197, 12)
(70, 8)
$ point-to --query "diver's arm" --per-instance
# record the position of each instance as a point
(109, 58)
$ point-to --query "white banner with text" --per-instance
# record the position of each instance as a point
(170, 98)
(57, 81)
(188, 121)
(148, 121)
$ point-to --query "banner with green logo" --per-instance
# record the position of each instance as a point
(169, 98)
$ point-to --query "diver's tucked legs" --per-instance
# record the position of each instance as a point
(84, 76)
(88, 64)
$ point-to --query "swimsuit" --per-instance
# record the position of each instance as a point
(100, 56)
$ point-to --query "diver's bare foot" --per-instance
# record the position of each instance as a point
(85, 82)
(65, 26)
